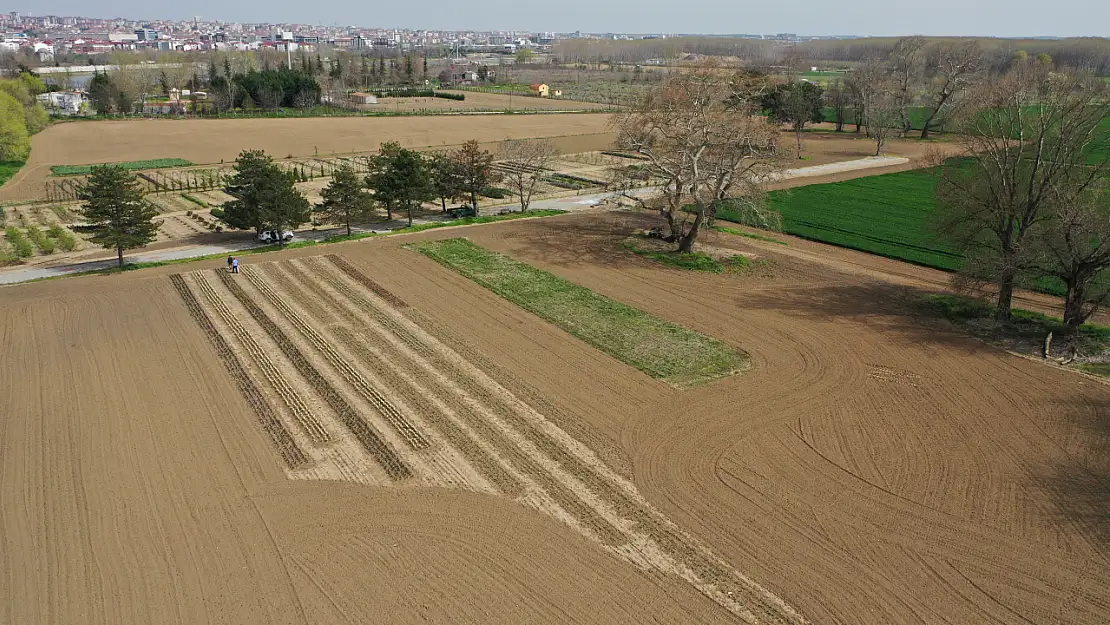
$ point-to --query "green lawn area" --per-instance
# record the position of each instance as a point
(886, 215)
(657, 347)
(157, 163)
(9, 169)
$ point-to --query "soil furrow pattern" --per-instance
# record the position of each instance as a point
(365, 280)
(408, 432)
(378, 448)
(292, 454)
(481, 423)
(289, 396)
(386, 362)
(458, 378)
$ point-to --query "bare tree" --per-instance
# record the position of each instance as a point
(1030, 139)
(701, 136)
(952, 68)
(838, 98)
(907, 60)
(1075, 248)
(883, 117)
(526, 164)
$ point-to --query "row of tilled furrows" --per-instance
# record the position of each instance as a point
(359, 389)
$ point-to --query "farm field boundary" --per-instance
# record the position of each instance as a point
(657, 347)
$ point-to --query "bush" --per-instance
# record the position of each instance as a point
(959, 308)
(19, 242)
(217, 213)
(45, 245)
(459, 97)
(65, 239)
(496, 193)
(195, 200)
(188, 213)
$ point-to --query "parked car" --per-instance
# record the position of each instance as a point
(465, 210)
(273, 236)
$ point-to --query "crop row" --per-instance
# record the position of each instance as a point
(386, 362)
(450, 390)
(289, 396)
(292, 454)
(365, 280)
(408, 432)
(378, 449)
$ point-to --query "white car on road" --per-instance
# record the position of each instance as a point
(273, 236)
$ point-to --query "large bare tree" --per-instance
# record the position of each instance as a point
(1029, 140)
(952, 67)
(907, 62)
(700, 134)
(526, 162)
(1074, 247)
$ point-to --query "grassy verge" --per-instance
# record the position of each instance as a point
(689, 261)
(1025, 333)
(659, 348)
(9, 169)
(749, 235)
(157, 163)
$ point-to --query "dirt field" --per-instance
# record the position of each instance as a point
(477, 101)
(326, 440)
(212, 141)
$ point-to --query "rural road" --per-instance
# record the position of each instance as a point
(572, 203)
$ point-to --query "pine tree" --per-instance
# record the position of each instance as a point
(345, 199)
(114, 207)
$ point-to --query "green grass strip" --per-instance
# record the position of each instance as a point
(659, 348)
(157, 163)
(749, 235)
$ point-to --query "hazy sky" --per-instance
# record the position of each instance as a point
(1003, 18)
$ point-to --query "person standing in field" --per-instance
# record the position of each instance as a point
(234, 265)
(230, 261)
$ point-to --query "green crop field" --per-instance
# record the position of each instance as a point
(157, 163)
(886, 215)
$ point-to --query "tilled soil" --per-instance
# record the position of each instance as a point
(368, 436)
(220, 140)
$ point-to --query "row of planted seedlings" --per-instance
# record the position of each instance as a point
(207, 179)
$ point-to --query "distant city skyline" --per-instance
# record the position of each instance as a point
(988, 18)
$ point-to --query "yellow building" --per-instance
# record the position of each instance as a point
(540, 89)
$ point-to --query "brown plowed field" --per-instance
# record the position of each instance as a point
(213, 141)
(874, 466)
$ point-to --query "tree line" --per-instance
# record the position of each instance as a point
(265, 197)
(21, 115)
